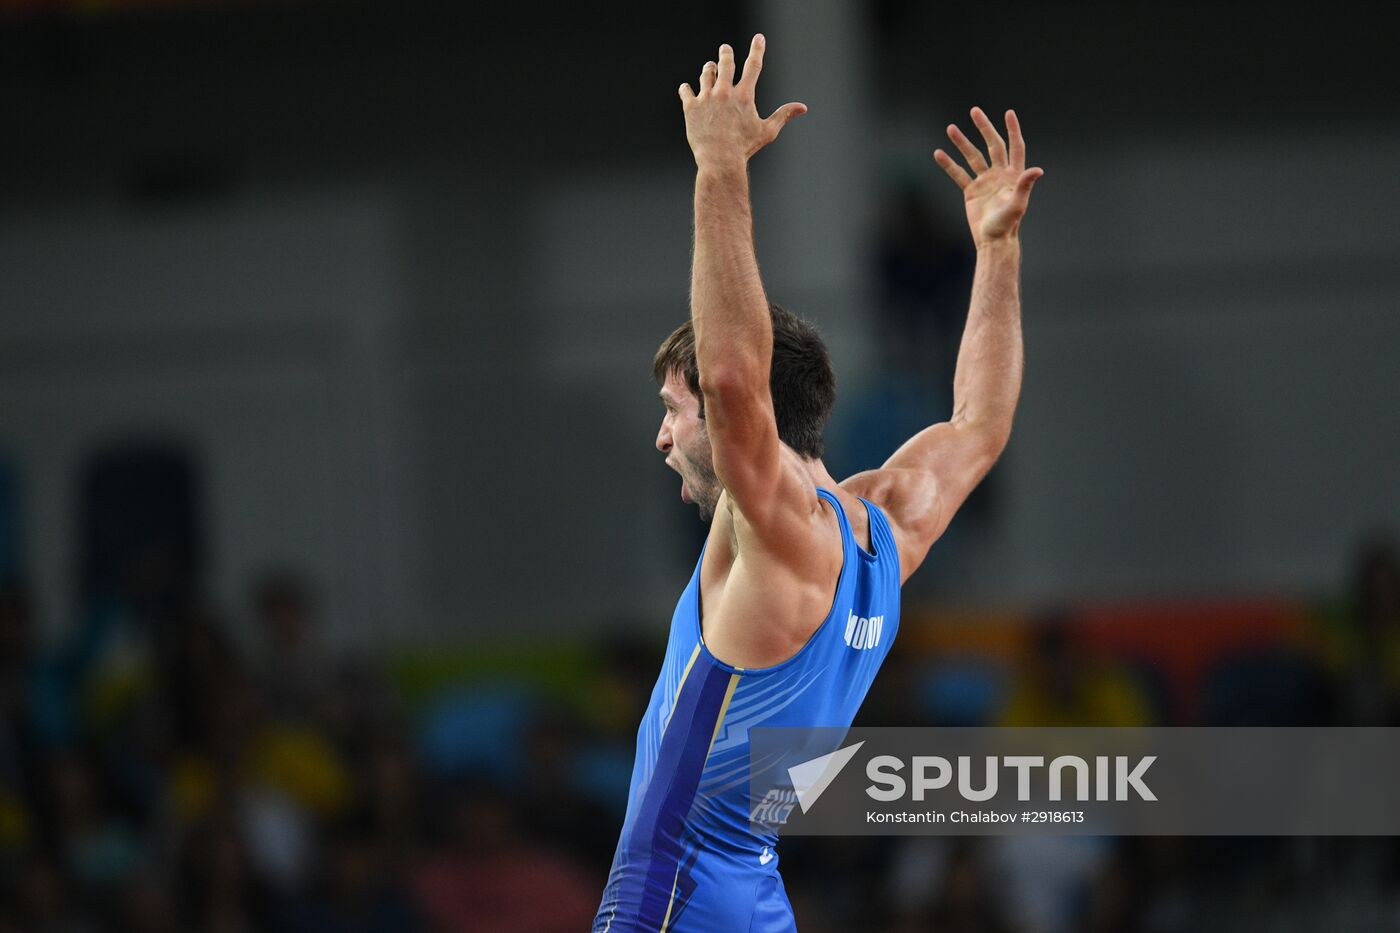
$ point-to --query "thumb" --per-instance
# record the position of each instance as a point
(784, 114)
(1027, 181)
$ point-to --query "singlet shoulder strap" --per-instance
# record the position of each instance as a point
(882, 537)
(847, 536)
(849, 548)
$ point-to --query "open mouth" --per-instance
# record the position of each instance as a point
(686, 497)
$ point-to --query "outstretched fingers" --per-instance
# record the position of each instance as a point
(753, 66)
(996, 147)
(1026, 182)
(784, 115)
(969, 151)
(707, 77)
(1018, 142)
(726, 66)
(953, 169)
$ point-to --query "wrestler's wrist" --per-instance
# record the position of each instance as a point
(722, 165)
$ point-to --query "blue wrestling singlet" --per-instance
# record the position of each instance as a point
(688, 860)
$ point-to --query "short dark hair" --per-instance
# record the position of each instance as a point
(801, 379)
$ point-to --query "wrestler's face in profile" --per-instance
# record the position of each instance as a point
(686, 444)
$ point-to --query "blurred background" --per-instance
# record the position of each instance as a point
(337, 558)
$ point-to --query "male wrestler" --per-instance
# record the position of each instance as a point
(795, 599)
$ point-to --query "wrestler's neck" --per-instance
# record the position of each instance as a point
(821, 477)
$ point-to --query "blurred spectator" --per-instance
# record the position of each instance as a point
(552, 803)
(1044, 880)
(477, 730)
(486, 876)
(389, 783)
(1370, 689)
(1064, 685)
(967, 902)
(97, 847)
(627, 666)
(146, 905)
(219, 890)
(1274, 686)
(295, 670)
(152, 778)
(963, 897)
(835, 883)
(275, 778)
(357, 891)
(357, 704)
(42, 691)
(198, 667)
(894, 696)
(47, 902)
(962, 691)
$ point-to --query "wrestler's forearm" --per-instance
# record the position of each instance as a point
(733, 328)
(987, 383)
